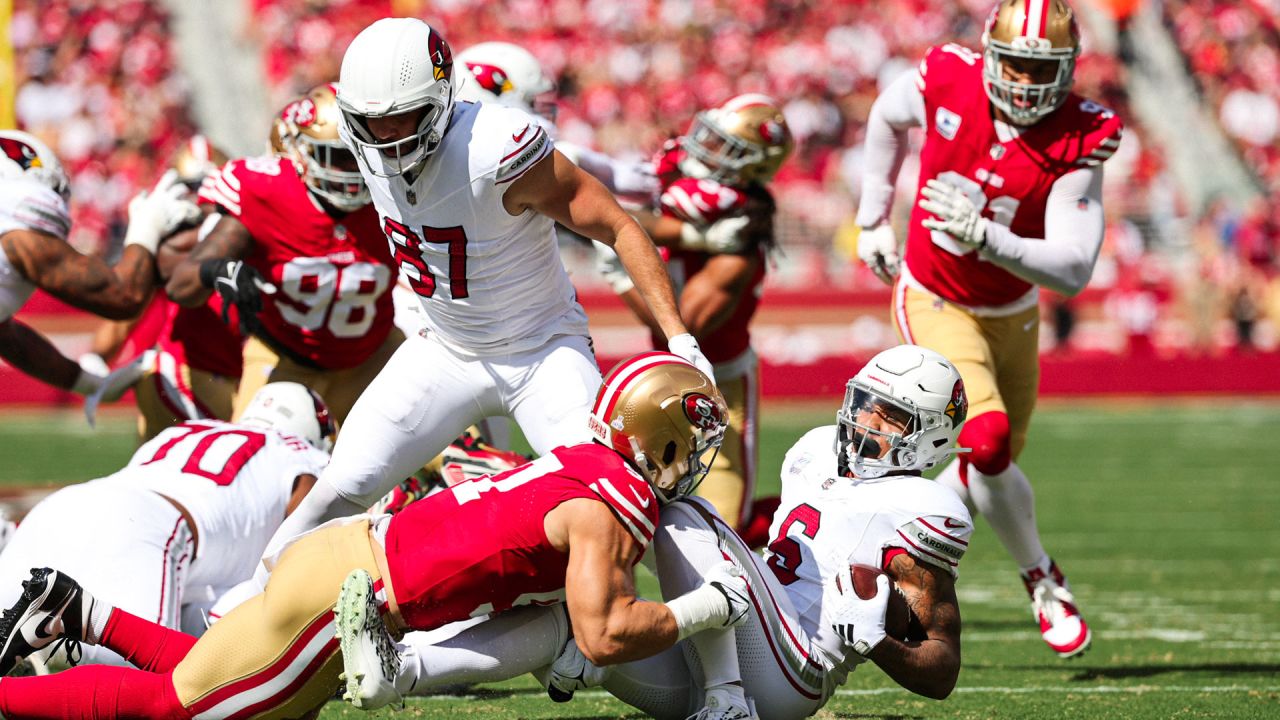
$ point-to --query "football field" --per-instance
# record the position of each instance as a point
(1166, 518)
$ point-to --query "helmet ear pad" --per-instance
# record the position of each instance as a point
(988, 438)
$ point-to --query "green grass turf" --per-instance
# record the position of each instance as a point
(1164, 517)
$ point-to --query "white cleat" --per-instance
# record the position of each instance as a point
(721, 706)
(1054, 608)
(369, 657)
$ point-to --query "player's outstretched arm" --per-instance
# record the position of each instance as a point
(229, 239)
(31, 353)
(929, 667)
(84, 281)
(564, 192)
(899, 108)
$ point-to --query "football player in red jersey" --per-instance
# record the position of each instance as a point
(300, 225)
(196, 365)
(568, 527)
(1010, 199)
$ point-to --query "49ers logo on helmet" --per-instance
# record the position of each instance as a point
(958, 406)
(21, 153)
(301, 112)
(441, 56)
(702, 411)
(771, 131)
(491, 78)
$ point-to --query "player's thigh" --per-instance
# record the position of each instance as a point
(277, 651)
(549, 392)
(423, 399)
(1015, 345)
(341, 388)
(260, 363)
(958, 336)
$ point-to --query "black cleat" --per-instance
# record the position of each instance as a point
(53, 609)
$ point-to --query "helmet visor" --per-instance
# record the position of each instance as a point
(873, 427)
(1027, 84)
(395, 157)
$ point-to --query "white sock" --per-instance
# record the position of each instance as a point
(1008, 503)
(718, 650)
(950, 476)
(99, 614)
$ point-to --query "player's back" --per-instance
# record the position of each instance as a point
(489, 281)
(234, 480)
(26, 205)
(333, 272)
(481, 547)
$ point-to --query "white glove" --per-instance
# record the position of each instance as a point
(686, 347)
(571, 672)
(721, 601)
(956, 215)
(93, 370)
(95, 364)
(154, 215)
(860, 623)
(722, 236)
(878, 248)
(731, 581)
(115, 384)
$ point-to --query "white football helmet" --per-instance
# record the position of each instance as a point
(1042, 32)
(396, 66)
(506, 74)
(910, 385)
(22, 155)
(293, 409)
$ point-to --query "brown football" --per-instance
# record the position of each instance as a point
(899, 622)
(173, 250)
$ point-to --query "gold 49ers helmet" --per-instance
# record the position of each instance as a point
(328, 167)
(663, 414)
(196, 159)
(744, 140)
(1037, 37)
(280, 142)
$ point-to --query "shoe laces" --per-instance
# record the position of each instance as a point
(73, 651)
(1053, 602)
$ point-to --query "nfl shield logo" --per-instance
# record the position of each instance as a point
(947, 123)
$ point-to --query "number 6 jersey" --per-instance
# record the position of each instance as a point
(333, 275)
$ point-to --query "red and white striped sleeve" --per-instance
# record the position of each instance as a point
(223, 188)
(939, 540)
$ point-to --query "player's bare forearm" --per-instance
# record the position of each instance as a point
(84, 281)
(31, 353)
(647, 271)
(712, 295)
(663, 230)
(228, 239)
(932, 666)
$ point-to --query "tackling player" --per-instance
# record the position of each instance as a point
(851, 493)
(1010, 199)
(304, 224)
(34, 253)
(567, 527)
(469, 194)
(185, 520)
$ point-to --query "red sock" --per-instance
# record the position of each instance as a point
(143, 643)
(99, 692)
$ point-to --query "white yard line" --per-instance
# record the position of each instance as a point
(990, 690)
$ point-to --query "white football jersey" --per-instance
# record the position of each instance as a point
(26, 205)
(489, 282)
(234, 480)
(826, 522)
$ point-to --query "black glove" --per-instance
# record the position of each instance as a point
(238, 284)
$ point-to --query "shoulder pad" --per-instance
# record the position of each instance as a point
(1103, 138)
(39, 208)
(522, 141)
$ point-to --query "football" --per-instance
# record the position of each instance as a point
(899, 622)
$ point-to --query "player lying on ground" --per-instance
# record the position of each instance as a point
(186, 519)
(851, 493)
(568, 527)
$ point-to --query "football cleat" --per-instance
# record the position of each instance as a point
(370, 660)
(1054, 607)
(53, 610)
(720, 706)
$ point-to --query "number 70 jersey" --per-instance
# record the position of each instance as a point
(489, 282)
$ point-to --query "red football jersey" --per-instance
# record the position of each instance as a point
(702, 203)
(480, 547)
(333, 276)
(194, 336)
(1009, 180)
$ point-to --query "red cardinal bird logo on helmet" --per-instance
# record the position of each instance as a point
(441, 56)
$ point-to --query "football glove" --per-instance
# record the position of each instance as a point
(729, 579)
(571, 672)
(720, 237)
(687, 347)
(238, 284)
(878, 249)
(116, 383)
(860, 623)
(156, 214)
(955, 214)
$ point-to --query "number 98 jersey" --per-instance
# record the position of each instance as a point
(1009, 180)
(333, 276)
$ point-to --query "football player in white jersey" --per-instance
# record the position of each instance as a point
(851, 493)
(34, 253)
(469, 195)
(186, 519)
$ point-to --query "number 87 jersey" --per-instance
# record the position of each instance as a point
(333, 273)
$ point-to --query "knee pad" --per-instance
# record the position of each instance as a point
(988, 437)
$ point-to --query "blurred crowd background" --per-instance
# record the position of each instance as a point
(1181, 272)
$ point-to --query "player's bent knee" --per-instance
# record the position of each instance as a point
(987, 436)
